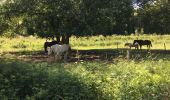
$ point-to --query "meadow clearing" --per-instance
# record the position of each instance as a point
(99, 70)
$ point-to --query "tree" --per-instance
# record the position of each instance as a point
(56, 18)
(107, 16)
(155, 16)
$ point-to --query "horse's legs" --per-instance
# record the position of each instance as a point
(135, 47)
(45, 47)
(57, 57)
(148, 46)
(60, 57)
(65, 56)
(140, 46)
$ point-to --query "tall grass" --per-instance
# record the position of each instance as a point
(94, 42)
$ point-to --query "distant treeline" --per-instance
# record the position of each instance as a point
(49, 18)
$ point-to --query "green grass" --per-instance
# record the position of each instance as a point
(146, 78)
(101, 42)
(21, 44)
(82, 43)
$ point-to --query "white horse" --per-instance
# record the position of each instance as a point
(59, 50)
(132, 45)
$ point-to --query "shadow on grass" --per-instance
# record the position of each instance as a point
(92, 55)
(21, 80)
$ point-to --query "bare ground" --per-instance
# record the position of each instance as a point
(83, 55)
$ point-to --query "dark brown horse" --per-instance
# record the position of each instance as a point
(143, 42)
(49, 44)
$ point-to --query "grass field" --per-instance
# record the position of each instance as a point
(99, 70)
(83, 43)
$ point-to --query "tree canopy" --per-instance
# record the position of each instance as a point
(49, 18)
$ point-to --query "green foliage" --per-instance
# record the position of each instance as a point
(154, 16)
(48, 18)
(85, 80)
(79, 17)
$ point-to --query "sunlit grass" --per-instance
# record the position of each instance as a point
(83, 43)
(102, 42)
(21, 44)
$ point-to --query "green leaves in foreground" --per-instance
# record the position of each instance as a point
(85, 81)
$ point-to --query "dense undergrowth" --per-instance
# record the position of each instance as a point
(124, 80)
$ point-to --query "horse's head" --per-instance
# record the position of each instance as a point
(49, 50)
(134, 42)
(127, 44)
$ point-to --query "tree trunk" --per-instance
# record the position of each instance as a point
(58, 39)
(65, 39)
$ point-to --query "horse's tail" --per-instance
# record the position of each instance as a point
(45, 46)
